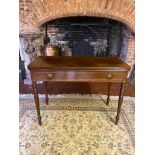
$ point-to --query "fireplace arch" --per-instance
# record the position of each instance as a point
(42, 11)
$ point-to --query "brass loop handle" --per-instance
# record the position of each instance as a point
(109, 77)
(49, 75)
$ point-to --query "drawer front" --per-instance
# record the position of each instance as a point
(80, 76)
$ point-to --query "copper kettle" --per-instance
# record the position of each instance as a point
(52, 50)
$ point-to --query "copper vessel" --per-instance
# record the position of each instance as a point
(52, 51)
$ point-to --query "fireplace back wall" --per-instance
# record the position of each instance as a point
(101, 36)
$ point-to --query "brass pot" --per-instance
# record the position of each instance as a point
(52, 51)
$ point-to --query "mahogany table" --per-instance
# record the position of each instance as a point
(78, 69)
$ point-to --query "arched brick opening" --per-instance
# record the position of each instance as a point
(42, 11)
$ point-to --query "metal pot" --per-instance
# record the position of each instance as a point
(52, 51)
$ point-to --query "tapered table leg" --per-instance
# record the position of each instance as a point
(108, 97)
(36, 99)
(46, 93)
(120, 101)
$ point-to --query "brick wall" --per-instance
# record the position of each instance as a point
(78, 28)
(131, 53)
(33, 15)
(131, 50)
(24, 5)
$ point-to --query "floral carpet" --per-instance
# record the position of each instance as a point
(76, 125)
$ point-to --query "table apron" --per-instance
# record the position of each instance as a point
(80, 76)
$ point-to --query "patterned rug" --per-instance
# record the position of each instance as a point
(76, 125)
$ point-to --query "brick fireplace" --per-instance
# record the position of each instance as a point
(105, 27)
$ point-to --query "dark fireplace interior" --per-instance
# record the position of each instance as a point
(88, 36)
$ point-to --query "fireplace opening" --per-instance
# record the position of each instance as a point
(87, 36)
(79, 36)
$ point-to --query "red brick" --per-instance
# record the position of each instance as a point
(123, 10)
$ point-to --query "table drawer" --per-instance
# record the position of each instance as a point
(79, 76)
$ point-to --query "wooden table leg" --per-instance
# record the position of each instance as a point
(108, 98)
(46, 93)
(120, 101)
(36, 99)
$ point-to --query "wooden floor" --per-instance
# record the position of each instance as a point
(81, 88)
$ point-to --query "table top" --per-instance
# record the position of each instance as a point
(82, 63)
